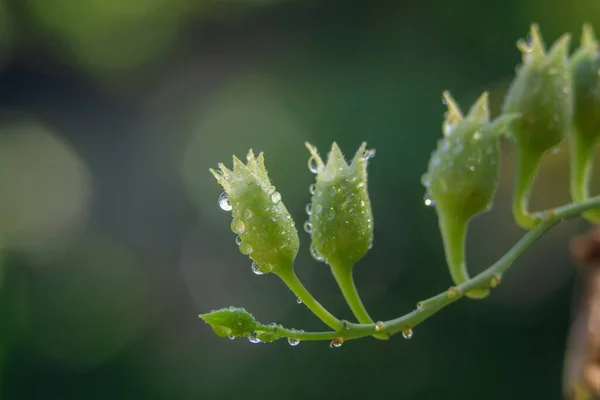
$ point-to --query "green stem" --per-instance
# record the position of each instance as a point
(454, 234)
(345, 281)
(483, 280)
(527, 167)
(581, 171)
(294, 284)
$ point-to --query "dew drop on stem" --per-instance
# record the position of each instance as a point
(407, 333)
(293, 342)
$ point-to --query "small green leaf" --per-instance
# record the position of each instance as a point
(231, 321)
(236, 322)
(267, 232)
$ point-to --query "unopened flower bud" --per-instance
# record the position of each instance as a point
(462, 177)
(341, 220)
(542, 93)
(266, 231)
(585, 67)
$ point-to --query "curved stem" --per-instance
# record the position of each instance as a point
(527, 166)
(294, 284)
(581, 172)
(454, 235)
(345, 281)
(485, 279)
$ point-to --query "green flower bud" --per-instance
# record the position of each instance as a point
(542, 93)
(340, 221)
(462, 177)
(585, 67)
(235, 322)
(264, 226)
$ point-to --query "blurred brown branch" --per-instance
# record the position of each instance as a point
(582, 360)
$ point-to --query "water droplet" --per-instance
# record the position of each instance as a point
(318, 209)
(452, 293)
(315, 254)
(495, 281)
(312, 188)
(224, 202)
(477, 135)
(231, 337)
(330, 214)
(298, 300)
(256, 269)
(407, 333)
(253, 338)
(428, 201)
(308, 209)
(313, 166)
(379, 326)
(472, 168)
(308, 228)
(555, 150)
(448, 128)
(293, 342)
(276, 197)
(238, 226)
(247, 213)
(238, 240)
(245, 248)
(337, 342)
(368, 154)
(420, 305)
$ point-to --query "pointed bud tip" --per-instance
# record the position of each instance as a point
(453, 108)
(480, 109)
(588, 36)
(560, 49)
(533, 48)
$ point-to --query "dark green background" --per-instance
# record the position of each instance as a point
(113, 111)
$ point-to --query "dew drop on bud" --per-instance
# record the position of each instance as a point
(368, 154)
(308, 227)
(245, 248)
(253, 338)
(238, 240)
(224, 202)
(312, 165)
(256, 269)
(428, 201)
(293, 342)
(231, 337)
(407, 333)
(238, 226)
(276, 197)
(315, 254)
(247, 213)
(379, 326)
(312, 188)
(308, 209)
(337, 342)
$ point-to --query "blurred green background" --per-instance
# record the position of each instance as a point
(111, 113)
